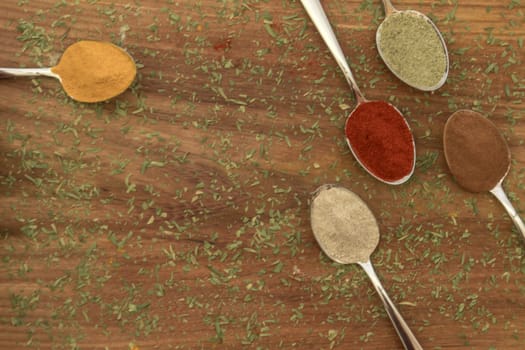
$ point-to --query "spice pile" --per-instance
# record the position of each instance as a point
(379, 136)
(476, 153)
(93, 71)
(347, 232)
(388, 156)
(411, 47)
(344, 226)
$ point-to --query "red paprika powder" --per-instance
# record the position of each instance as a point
(381, 139)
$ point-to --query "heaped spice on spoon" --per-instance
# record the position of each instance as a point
(380, 156)
(412, 48)
(476, 153)
(347, 232)
(478, 157)
(343, 225)
(381, 140)
(94, 71)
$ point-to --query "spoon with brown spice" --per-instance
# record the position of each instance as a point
(413, 48)
(478, 157)
(89, 71)
(347, 232)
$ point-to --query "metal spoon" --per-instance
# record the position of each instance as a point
(27, 72)
(67, 84)
(320, 20)
(340, 219)
(389, 11)
(477, 179)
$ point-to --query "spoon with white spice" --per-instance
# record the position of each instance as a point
(413, 48)
(347, 232)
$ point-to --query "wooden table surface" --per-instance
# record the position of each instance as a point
(176, 216)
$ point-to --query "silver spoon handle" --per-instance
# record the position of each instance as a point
(389, 8)
(499, 193)
(26, 72)
(318, 16)
(403, 331)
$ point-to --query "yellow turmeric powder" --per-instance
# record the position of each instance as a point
(94, 71)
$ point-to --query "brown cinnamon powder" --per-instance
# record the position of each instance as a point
(476, 153)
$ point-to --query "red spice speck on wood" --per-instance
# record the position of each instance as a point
(223, 45)
(381, 139)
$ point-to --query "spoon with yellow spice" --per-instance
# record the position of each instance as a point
(89, 71)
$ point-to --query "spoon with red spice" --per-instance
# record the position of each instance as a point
(377, 134)
(478, 157)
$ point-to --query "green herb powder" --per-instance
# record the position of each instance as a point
(411, 47)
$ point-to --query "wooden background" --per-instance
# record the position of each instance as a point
(177, 215)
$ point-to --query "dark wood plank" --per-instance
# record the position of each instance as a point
(177, 215)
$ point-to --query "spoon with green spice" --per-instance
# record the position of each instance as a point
(478, 157)
(347, 232)
(412, 48)
(377, 134)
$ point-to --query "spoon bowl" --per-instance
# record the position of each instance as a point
(102, 78)
(478, 157)
(377, 164)
(412, 48)
(387, 154)
(347, 232)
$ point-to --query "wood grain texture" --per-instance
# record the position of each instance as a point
(176, 216)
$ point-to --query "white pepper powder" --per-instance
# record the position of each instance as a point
(343, 225)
